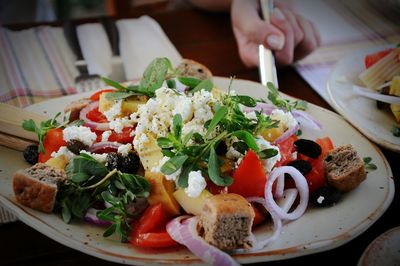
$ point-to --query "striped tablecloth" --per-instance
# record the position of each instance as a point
(37, 63)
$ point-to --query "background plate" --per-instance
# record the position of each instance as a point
(361, 112)
(319, 229)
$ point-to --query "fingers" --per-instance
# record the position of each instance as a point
(285, 55)
(311, 41)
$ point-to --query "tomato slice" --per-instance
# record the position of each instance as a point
(96, 95)
(149, 231)
(371, 59)
(259, 216)
(326, 146)
(96, 116)
(286, 148)
(123, 137)
(52, 143)
(249, 178)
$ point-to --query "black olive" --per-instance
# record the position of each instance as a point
(325, 196)
(129, 164)
(112, 160)
(303, 166)
(221, 148)
(308, 147)
(31, 154)
(76, 146)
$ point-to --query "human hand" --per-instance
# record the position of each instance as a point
(289, 35)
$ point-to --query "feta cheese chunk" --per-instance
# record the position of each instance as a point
(63, 150)
(114, 110)
(286, 119)
(196, 184)
(106, 134)
(81, 133)
(100, 157)
(125, 149)
(269, 163)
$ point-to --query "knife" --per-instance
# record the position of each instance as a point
(266, 58)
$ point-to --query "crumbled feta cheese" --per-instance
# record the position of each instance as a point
(270, 162)
(157, 114)
(251, 115)
(320, 199)
(63, 150)
(285, 119)
(114, 110)
(125, 149)
(106, 135)
(81, 133)
(196, 184)
(100, 157)
(233, 154)
(119, 123)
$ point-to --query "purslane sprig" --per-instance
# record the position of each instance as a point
(278, 101)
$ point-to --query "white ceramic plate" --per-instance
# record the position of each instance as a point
(384, 250)
(361, 112)
(317, 230)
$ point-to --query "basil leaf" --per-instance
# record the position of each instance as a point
(246, 137)
(203, 85)
(245, 100)
(214, 170)
(173, 164)
(267, 153)
(177, 126)
(219, 114)
(112, 83)
(190, 82)
(154, 75)
(65, 211)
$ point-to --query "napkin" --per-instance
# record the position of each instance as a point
(140, 41)
(96, 48)
(345, 27)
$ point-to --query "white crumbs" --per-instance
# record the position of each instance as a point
(320, 199)
(125, 149)
(114, 111)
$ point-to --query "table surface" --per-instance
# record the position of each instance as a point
(207, 38)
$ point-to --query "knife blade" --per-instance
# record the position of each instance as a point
(267, 65)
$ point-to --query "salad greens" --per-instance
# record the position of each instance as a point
(90, 183)
(396, 131)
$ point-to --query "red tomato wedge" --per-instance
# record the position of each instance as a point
(123, 137)
(96, 95)
(286, 148)
(371, 59)
(149, 231)
(96, 116)
(52, 142)
(249, 178)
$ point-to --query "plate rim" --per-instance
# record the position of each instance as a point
(329, 87)
(313, 246)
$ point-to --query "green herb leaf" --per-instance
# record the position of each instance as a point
(190, 82)
(171, 83)
(203, 85)
(110, 230)
(112, 96)
(184, 176)
(155, 74)
(164, 143)
(267, 153)
(214, 170)
(173, 164)
(219, 114)
(177, 126)
(368, 165)
(245, 100)
(247, 138)
(367, 160)
(112, 83)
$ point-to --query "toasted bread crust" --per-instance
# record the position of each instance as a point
(38, 193)
(344, 169)
(191, 68)
(226, 221)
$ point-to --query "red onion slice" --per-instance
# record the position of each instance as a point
(90, 123)
(186, 233)
(92, 218)
(103, 146)
(289, 132)
(376, 96)
(306, 120)
(301, 185)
